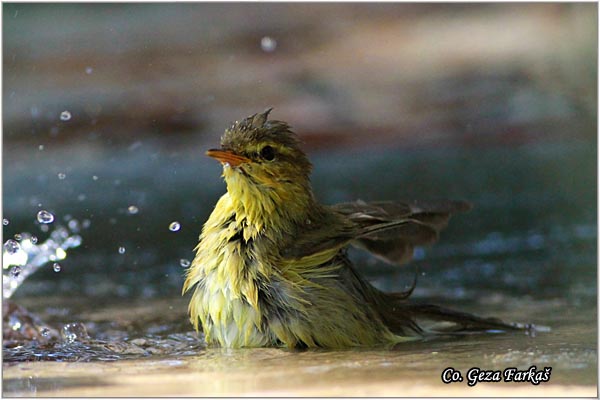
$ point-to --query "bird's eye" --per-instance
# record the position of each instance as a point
(268, 153)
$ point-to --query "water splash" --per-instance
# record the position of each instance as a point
(76, 345)
(22, 258)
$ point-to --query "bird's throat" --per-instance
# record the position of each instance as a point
(268, 208)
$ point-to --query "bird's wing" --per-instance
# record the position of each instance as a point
(391, 230)
(321, 240)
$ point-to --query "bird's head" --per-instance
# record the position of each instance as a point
(262, 162)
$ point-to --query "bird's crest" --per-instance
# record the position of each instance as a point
(256, 128)
(258, 120)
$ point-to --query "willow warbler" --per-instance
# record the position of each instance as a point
(271, 266)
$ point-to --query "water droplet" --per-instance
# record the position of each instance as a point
(184, 262)
(60, 233)
(121, 250)
(61, 175)
(308, 221)
(94, 177)
(18, 237)
(56, 267)
(45, 332)
(89, 70)
(268, 44)
(133, 210)
(15, 271)
(41, 147)
(65, 115)
(14, 323)
(74, 331)
(60, 254)
(33, 239)
(5, 222)
(73, 241)
(45, 217)
(174, 226)
(73, 225)
(11, 246)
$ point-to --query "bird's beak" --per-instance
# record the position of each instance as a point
(227, 157)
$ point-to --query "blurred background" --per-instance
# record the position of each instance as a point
(108, 109)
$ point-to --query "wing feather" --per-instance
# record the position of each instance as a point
(389, 230)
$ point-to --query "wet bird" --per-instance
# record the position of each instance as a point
(271, 267)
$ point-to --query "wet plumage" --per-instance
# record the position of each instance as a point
(271, 267)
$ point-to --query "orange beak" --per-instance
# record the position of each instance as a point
(228, 157)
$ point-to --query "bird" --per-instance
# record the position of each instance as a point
(271, 268)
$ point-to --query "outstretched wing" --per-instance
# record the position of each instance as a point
(391, 230)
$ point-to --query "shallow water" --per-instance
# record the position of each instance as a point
(183, 368)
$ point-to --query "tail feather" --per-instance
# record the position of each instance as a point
(406, 318)
(458, 321)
